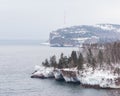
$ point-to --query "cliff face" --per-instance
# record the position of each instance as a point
(70, 75)
(76, 35)
(58, 74)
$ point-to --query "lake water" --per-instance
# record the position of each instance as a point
(16, 65)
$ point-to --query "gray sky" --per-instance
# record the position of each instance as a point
(35, 19)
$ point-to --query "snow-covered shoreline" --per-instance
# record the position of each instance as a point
(88, 78)
(100, 78)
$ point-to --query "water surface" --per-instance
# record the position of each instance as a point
(16, 65)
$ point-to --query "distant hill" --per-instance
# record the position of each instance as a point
(76, 35)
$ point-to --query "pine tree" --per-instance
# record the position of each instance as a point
(74, 58)
(91, 59)
(89, 56)
(46, 63)
(100, 57)
(80, 61)
(70, 62)
(60, 63)
(53, 62)
(65, 62)
(93, 63)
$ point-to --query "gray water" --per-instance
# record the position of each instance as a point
(16, 65)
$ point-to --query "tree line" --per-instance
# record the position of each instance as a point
(94, 55)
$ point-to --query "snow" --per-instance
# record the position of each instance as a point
(80, 39)
(95, 37)
(86, 38)
(109, 27)
(55, 36)
(37, 67)
(70, 69)
(55, 33)
(80, 31)
(43, 71)
(106, 26)
(58, 74)
(101, 77)
(118, 30)
(105, 78)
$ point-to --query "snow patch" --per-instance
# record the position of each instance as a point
(109, 27)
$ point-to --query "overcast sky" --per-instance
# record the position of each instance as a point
(35, 19)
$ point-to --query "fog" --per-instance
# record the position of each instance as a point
(35, 19)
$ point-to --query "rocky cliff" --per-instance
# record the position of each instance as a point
(98, 78)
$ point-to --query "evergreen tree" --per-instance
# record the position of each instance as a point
(61, 64)
(80, 61)
(70, 62)
(53, 62)
(74, 58)
(46, 63)
(100, 57)
(93, 63)
(91, 60)
(89, 56)
(65, 62)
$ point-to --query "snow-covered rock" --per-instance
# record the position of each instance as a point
(99, 78)
(43, 72)
(70, 75)
(58, 74)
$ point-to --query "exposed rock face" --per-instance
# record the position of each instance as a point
(117, 81)
(58, 74)
(70, 75)
(76, 35)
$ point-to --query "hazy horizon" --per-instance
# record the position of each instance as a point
(22, 42)
(34, 20)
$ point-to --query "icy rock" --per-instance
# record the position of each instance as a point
(43, 72)
(70, 75)
(58, 74)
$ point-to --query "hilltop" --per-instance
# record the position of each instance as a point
(76, 35)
